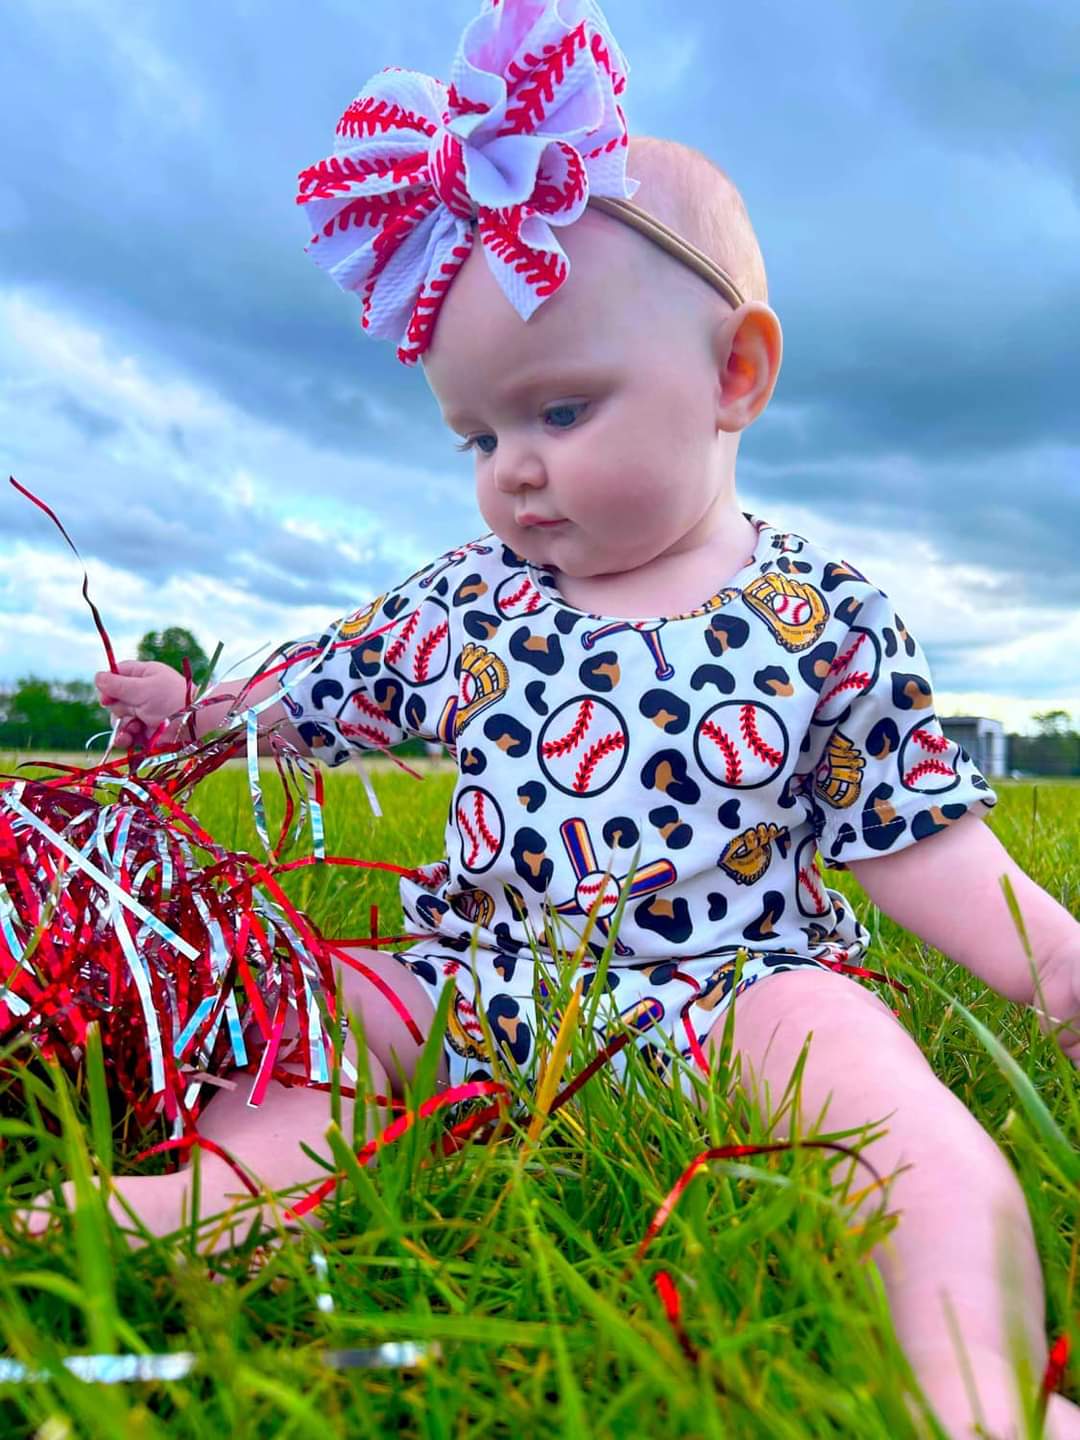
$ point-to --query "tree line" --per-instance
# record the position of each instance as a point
(41, 714)
(63, 714)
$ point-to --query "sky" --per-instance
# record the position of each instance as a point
(229, 452)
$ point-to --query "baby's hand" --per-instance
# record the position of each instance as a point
(140, 697)
(1061, 995)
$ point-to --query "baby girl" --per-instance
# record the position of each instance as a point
(648, 692)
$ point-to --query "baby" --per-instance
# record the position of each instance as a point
(646, 690)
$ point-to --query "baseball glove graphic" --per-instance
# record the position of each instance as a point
(747, 857)
(484, 681)
(839, 776)
(475, 905)
(359, 622)
(793, 610)
(464, 1031)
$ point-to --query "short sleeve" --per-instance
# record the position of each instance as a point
(883, 774)
(386, 673)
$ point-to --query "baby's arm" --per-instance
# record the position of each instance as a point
(947, 890)
(143, 694)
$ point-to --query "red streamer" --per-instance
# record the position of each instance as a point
(86, 579)
(453, 1096)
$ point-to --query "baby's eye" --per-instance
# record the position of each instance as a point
(571, 410)
(475, 440)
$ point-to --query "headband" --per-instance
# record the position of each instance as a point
(527, 134)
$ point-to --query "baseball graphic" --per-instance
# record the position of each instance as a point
(360, 718)
(583, 745)
(419, 648)
(517, 595)
(741, 744)
(480, 828)
(433, 875)
(810, 892)
(600, 890)
(792, 609)
(854, 670)
(927, 759)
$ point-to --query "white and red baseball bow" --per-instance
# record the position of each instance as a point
(528, 128)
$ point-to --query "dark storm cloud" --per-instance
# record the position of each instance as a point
(912, 175)
(186, 529)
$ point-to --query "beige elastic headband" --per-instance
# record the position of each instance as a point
(667, 239)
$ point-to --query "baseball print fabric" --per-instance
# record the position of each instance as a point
(791, 712)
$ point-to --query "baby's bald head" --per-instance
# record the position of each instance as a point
(691, 194)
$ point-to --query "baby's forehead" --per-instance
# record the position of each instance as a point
(617, 294)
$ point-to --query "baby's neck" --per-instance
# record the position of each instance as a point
(675, 582)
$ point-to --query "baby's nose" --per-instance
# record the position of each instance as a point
(518, 467)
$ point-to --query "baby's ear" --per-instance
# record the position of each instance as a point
(748, 348)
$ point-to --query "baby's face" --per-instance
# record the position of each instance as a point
(597, 415)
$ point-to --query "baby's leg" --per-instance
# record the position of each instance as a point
(267, 1140)
(958, 1204)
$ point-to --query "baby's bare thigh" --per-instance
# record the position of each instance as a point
(387, 1033)
(861, 1061)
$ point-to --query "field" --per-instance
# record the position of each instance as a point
(515, 1260)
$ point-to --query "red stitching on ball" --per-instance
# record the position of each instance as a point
(573, 736)
(427, 649)
(845, 657)
(523, 589)
(367, 706)
(857, 681)
(927, 767)
(478, 811)
(929, 741)
(365, 732)
(397, 645)
(466, 1014)
(596, 894)
(470, 833)
(592, 757)
(732, 763)
(805, 878)
(748, 725)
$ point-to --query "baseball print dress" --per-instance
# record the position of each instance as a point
(698, 764)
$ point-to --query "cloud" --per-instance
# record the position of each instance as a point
(198, 401)
(170, 487)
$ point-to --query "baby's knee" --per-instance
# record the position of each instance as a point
(388, 1007)
(774, 1018)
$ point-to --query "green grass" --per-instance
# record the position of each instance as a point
(518, 1260)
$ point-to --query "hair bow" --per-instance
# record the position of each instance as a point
(528, 129)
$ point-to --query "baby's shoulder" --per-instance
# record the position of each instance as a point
(802, 570)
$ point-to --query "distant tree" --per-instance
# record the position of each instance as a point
(50, 714)
(1053, 722)
(1054, 750)
(170, 646)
